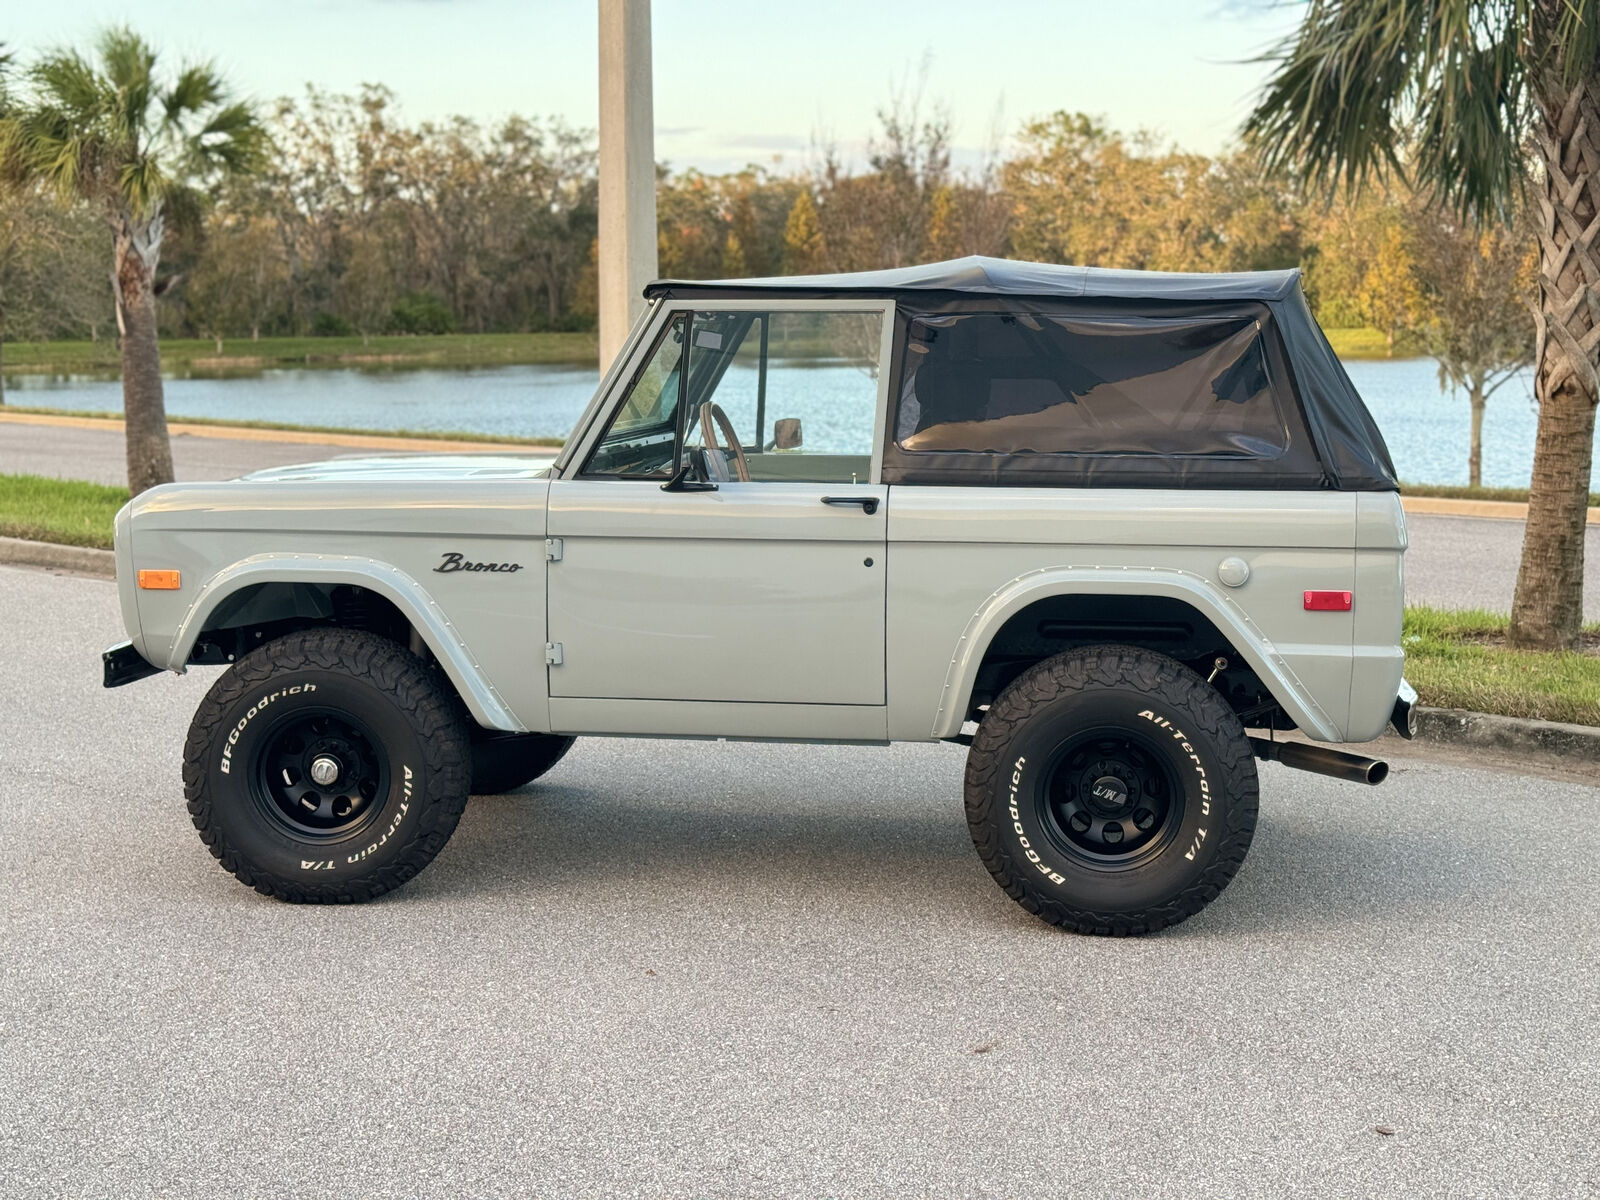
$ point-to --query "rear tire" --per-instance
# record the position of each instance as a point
(329, 766)
(504, 762)
(1110, 790)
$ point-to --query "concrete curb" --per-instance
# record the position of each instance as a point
(1572, 744)
(23, 553)
(1498, 510)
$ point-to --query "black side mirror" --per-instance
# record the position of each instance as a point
(680, 482)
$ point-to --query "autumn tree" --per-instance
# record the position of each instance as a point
(1478, 289)
(1389, 296)
(240, 277)
(1085, 194)
(803, 247)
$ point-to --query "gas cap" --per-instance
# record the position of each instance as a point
(1233, 571)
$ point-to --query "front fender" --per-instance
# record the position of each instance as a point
(1248, 639)
(404, 591)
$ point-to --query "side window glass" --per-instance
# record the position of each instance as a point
(1036, 383)
(642, 437)
(799, 389)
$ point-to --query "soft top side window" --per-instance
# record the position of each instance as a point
(1034, 383)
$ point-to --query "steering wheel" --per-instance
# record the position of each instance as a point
(711, 419)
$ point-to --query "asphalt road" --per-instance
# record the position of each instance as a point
(99, 457)
(1471, 562)
(721, 970)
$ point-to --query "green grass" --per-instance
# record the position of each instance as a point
(58, 510)
(1363, 343)
(199, 355)
(1448, 491)
(1458, 659)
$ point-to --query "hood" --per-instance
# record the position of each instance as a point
(413, 467)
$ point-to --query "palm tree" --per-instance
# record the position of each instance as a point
(113, 134)
(1477, 100)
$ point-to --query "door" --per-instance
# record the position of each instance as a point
(723, 540)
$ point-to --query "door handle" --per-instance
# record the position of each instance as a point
(869, 504)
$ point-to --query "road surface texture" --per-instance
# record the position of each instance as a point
(97, 455)
(1454, 562)
(1471, 562)
(677, 968)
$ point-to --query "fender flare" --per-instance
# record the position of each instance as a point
(402, 590)
(1196, 590)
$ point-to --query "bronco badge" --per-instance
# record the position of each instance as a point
(454, 562)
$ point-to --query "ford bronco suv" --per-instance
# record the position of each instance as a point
(1096, 525)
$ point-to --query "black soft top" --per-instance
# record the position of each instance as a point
(1332, 440)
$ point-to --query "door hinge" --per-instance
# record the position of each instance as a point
(553, 549)
(552, 654)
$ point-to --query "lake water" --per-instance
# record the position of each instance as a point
(1426, 430)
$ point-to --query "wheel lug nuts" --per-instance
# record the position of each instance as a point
(1079, 822)
(1144, 818)
(1113, 834)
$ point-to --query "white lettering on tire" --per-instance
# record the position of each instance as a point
(405, 807)
(233, 734)
(1205, 782)
(1016, 825)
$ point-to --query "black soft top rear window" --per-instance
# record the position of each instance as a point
(1079, 397)
(1026, 383)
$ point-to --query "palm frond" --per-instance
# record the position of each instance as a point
(108, 129)
(198, 87)
(67, 81)
(1363, 80)
(129, 69)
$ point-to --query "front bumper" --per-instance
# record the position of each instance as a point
(123, 664)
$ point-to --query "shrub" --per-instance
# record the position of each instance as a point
(421, 312)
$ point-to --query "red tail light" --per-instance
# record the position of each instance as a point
(1329, 601)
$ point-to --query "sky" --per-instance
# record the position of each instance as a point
(736, 81)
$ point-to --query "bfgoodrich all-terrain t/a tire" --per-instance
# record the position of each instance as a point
(1111, 790)
(329, 766)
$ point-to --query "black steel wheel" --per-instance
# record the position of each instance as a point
(1111, 790)
(328, 766)
(319, 772)
(1110, 798)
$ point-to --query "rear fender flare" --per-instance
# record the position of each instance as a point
(1248, 639)
(401, 589)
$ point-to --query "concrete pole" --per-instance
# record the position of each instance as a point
(627, 170)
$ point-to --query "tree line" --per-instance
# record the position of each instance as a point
(357, 222)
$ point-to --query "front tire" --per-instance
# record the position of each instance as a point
(1110, 790)
(329, 766)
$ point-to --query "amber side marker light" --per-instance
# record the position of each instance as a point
(1328, 601)
(165, 581)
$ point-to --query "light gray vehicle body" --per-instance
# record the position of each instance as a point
(786, 607)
